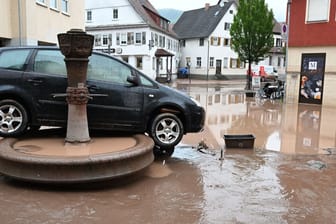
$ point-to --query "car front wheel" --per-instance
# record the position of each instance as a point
(166, 130)
(13, 118)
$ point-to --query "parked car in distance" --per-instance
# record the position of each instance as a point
(266, 72)
(31, 77)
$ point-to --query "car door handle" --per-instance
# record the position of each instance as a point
(93, 88)
(35, 81)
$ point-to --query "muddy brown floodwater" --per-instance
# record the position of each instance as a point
(289, 176)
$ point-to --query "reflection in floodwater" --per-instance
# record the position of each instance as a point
(277, 126)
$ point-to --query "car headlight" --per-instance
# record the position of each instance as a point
(196, 102)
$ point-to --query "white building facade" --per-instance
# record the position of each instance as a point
(208, 53)
(205, 42)
(133, 31)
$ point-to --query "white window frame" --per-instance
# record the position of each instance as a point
(43, 2)
(115, 14)
(138, 38)
(65, 6)
(53, 4)
(317, 11)
(227, 26)
(123, 39)
(97, 40)
(198, 62)
(105, 40)
(212, 59)
(225, 62)
(89, 18)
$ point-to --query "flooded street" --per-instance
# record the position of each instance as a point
(289, 176)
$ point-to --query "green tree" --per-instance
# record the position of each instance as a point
(252, 32)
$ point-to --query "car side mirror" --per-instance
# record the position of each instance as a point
(133, 80)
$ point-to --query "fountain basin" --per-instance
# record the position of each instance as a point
(51, 160)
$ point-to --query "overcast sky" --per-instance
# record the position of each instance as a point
(278, 6)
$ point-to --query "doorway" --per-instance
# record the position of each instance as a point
(218, 67)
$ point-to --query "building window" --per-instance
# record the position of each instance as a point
(65, 6)
(317, 10)
(226, 42)
(115, 14)
(137, 38)
(234, 63)
(89, 15)
(143, 37)
(139, 62)
(278, 42)
(279, 61)
(188, 61)
(198, 62)
(156, 40)
(169, 44)
(124, 58)
(53, 4)
(270, 62)
(98, 40)
(105, 40)
(160, 41)
(215, 41)
(227, 26)
(211, 62)
(201, 42)
(130, 38)
(43, 2)
(225, 63)
(123, 39)
(118, 38)
(183, 43)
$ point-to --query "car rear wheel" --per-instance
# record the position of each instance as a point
(166, 130)
(13, 118)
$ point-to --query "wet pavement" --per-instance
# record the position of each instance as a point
(289, 176)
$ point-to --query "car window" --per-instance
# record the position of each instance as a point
(50, 62)
(14, 59)
(145, 81)
(107, 69)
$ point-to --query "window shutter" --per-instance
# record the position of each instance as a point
(211, 40)
(219, 41)
(230, 62)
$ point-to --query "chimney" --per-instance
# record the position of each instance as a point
(207, 5)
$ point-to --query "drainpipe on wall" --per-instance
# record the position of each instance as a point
(288, 21)
(208, 59)
(20, 22)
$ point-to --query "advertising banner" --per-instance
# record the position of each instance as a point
(311, 78)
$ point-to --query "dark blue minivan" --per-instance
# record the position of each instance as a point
(31, 77)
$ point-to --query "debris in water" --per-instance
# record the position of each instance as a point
(317, 164)
(330, 151)
(204, 148)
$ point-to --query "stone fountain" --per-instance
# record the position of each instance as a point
(77, 158)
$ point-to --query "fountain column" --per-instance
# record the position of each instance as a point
(76, 46)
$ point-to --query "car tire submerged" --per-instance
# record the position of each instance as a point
(13, 118)
(167, 131)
